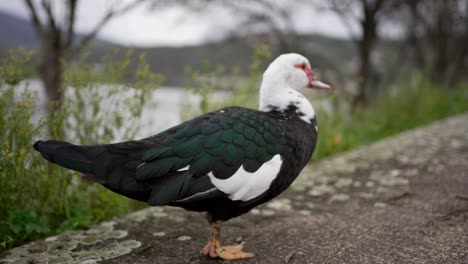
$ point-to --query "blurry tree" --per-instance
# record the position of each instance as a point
(54, 23)
(269, 18)
(437, 34)
(275, 18)
(368, 14)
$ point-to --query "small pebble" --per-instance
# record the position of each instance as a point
(380, 205)
(184, 238)
(255, 211)
(280, 204)
(455, 143)
(50, 239)
(339, 197)
(159, 214)
(267, 212)
(395, 172)
(305, 212)
(159, 234)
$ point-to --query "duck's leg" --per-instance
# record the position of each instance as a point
(214, 248)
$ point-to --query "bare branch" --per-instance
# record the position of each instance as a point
(378, 6)
(35, 18)
(71, 23)
(111, 13)
(50, 15)
(346, 17)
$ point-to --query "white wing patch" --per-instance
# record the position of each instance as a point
(184, 168)
(245, 185)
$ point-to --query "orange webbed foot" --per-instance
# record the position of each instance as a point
(233, 252)
(207, 249)
(214, 249)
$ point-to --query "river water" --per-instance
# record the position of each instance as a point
(163, 111)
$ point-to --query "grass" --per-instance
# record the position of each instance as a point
(414, 103)
(38, 199)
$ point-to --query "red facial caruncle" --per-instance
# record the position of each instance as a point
(313, 83)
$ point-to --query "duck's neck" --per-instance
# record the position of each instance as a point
(276, 96)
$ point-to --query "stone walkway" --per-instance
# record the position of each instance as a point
(400, 200)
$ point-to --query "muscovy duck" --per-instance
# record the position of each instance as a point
(224, 163)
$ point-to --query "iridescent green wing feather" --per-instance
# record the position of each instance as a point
(218, 142)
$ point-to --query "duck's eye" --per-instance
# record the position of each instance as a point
(302, 66)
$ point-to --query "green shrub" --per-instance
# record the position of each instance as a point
(237, 90)
(38, 198)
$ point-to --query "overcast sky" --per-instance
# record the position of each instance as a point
(175, 26)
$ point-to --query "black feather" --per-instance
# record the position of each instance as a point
(66, 155)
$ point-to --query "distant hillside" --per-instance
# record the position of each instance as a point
(15, 32)
(324, 52)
